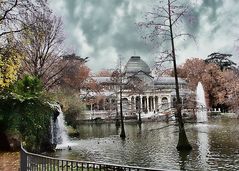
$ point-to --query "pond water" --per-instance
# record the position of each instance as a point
(215, 145)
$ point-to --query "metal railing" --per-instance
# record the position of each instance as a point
(36, 162)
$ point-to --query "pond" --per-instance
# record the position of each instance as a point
(215, 145)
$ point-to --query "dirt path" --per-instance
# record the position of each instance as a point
(9, 161)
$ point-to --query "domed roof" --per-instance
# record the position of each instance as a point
(136, 64)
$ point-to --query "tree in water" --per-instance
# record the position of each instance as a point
(122, 133)
(117, 79)
(163, 25)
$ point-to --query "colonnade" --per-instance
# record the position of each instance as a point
(141, 103)
(144, 103)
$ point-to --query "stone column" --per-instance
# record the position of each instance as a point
(147, 98)
(150, 103)
(142, 104)
(153, 103)
(169, 102)
(135, 99)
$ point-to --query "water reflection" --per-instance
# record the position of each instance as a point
(214, 145)
(203, 147)
(183, 159)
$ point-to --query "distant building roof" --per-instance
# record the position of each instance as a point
(182, 92)
(168, 81)
(102, 93)
(102, 79)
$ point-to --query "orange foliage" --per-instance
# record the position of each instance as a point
(220, 86)
(75, 75)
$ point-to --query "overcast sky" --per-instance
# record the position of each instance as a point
(105, 29)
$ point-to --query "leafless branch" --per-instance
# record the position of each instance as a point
(8, 10)
(42, 44)
(180, 15)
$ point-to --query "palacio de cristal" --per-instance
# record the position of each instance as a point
(141, 92)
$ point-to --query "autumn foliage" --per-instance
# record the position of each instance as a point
(9, 65)
(75, 74)
(221, 86)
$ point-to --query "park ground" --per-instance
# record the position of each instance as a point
(9, 161)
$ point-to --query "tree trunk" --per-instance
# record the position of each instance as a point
(140, 120)
(117, 122)
(183, 143)
(122, 134)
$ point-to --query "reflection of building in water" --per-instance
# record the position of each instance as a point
(140, 92)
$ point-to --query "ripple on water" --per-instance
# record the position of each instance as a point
(214, 146)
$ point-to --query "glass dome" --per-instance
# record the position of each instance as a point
(136, 64)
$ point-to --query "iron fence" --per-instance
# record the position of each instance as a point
(36, 162)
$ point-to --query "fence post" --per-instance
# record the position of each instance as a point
(23, 160)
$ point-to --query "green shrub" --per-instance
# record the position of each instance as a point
(24, 108)
(27, 88)
(35, 123)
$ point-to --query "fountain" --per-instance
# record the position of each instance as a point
(201, 104)
(201, 114)
(59, 134)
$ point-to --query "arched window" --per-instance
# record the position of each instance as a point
(125, 104)
(107, 104)
(101, 104)
(165, 104)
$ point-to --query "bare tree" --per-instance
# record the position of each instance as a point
(117, 78)
(163, 24)
(12, 14)
(42, 45)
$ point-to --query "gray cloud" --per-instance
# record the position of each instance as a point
(98, 22)
(213, 7)
(102, 29)
(96, 26)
